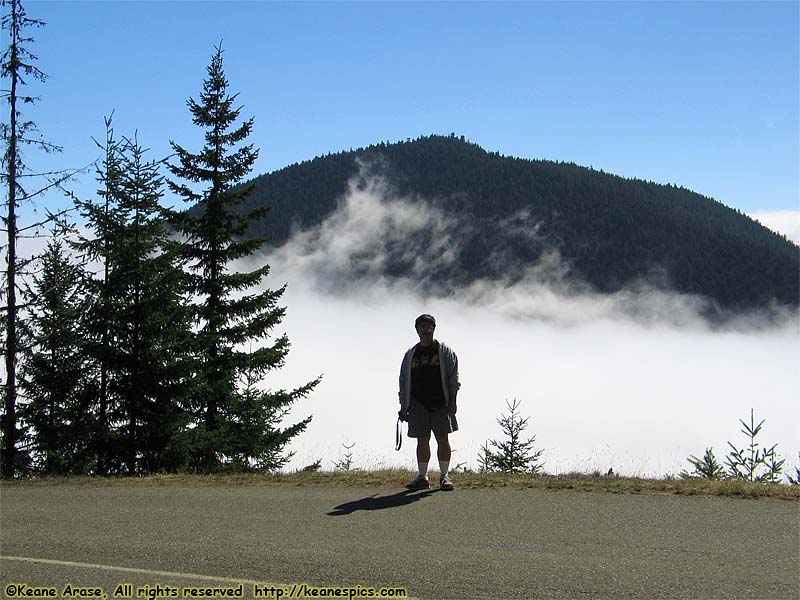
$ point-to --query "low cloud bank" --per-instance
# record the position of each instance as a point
(607, 394)
(635, 380)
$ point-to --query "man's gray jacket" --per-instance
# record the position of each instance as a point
(448, 365)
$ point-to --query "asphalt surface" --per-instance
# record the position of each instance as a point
(481, 543)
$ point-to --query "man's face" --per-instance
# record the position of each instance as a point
(425, 331)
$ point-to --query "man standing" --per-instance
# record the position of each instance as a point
(428, 388)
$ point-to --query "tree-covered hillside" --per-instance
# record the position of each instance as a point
(610, 231)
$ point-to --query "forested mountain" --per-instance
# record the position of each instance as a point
(609, 230)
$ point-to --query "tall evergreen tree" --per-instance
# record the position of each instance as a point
(16, 64)
(53, 366)
(139, 326)
(103, 221)
(227, 317)
(152, 323)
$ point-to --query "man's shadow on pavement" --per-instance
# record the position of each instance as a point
(376, 502)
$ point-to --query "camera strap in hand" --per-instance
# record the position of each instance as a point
(398, 434)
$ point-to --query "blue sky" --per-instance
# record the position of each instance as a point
(703, 95)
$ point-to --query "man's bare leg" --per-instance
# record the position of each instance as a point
(423, 455)
(443, 453)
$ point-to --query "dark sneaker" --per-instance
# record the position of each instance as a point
(445, 483)
(419, 483)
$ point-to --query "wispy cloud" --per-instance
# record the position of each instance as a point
(371, 229)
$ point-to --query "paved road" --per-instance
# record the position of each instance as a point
(465, 544)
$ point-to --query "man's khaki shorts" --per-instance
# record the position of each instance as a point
(422, 421)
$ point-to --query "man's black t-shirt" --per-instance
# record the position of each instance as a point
(426, 377)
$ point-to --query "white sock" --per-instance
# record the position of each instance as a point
(423, 468)
(444, 467)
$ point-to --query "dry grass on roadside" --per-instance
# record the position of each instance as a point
(465, 481)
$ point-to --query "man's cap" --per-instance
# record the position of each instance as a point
(425, 317)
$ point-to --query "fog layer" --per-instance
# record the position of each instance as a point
(635, 380)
